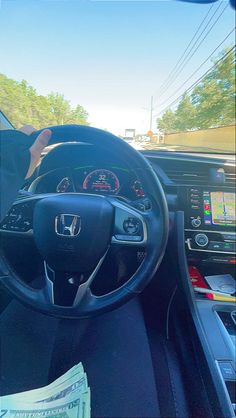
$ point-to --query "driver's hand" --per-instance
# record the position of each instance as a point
(36, 149)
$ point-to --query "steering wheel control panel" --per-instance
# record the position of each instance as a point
(128, 227)
(18, 219)
(210, 220)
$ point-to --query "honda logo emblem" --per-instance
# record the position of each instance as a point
(67, 225)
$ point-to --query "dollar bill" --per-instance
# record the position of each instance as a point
(67, 397)
(70, 378)
(79, 385)
(72, 406)
(86, 405)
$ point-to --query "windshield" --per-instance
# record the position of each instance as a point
(159, 74)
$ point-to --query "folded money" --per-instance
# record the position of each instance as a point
(66, 397)
(72, 406)
(74, 371)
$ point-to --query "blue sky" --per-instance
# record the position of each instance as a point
(109, 56)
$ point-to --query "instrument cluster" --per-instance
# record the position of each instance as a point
(110, 180)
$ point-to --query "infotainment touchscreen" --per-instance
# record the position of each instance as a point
(219, 208)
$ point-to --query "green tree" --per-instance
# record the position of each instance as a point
(214, 97)
(185, 115)
(78, 115)
(167, 123)
(59, 107)
(211, 103)
(22, 104)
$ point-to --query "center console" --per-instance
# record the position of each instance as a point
(218, 322)
(210, 220)
(210, 240)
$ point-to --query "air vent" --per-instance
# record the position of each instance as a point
(188, 177)
(230, 178)
(200, 176)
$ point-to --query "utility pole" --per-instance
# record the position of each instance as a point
(151, 110)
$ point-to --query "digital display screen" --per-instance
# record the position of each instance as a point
(219, 208)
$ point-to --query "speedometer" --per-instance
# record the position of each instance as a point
(101, 181)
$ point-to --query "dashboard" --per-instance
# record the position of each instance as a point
(202, 186)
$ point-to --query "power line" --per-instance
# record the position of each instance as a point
(186, 49)
(196, 82)
(200, 66)
(188, 57)
(198, 46)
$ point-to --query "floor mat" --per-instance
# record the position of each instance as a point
(113, 348)
(26, 343)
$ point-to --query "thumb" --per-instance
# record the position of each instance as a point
(40, 143)
(36, 150)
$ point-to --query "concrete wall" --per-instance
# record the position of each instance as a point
(222, 139)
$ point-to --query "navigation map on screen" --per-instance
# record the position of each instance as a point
(223, 208)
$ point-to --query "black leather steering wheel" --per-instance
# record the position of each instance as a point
(73, 232)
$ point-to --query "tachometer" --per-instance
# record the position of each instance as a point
(101, 181)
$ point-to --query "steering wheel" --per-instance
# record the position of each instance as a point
(73, 232)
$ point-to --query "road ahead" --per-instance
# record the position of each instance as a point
(176, 148)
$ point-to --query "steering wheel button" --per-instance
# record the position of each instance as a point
(131, 226)
(135, 238)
